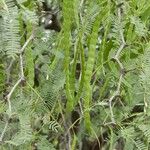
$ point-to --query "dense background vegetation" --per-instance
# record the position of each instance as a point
(86, 87)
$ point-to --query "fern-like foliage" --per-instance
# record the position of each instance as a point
(85, 87)
(54, 126)
(145, 131)
(144, 77)
(140, 27)
(10, 25)
(25, 134)
(140, 145)
(50, 90)
(43, 143)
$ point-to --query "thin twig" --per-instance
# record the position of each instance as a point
(9, 108)
(117, 92)
(3, 132)
(8, 71)
(80, 8)
(26, 43)
(119, 50)
(21, 57)
(21, 67)
(8, 97)
(11, 92)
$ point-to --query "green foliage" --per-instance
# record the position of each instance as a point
(10, 29)
(50, 90)
(86, 87)
(43, 143)
(25, 133)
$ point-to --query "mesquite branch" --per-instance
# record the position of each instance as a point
(116, 58)
(21, 78)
